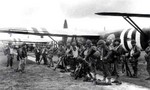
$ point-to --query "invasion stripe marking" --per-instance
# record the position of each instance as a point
(138, 39)
(125, 40)
(129, 38)
(35, 30)
(133, 35)
(122, 38)
(44, 30)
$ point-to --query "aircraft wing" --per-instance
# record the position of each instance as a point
(123, 14)
(44, 32)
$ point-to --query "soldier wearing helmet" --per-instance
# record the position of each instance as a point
(22, 58)
(134, 54)
(75, 50)
(117, 53)
(103, 60)
(37, 52)
(60, 43)
(90, 50)
(75, 54)
(50, 55)
(68, 50)
(89, 55)
(147, 58)
(10, 54)
(61, 51)
(44, 55)
(69, 54)
(81, 49)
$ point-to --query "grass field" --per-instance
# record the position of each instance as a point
(40, 77)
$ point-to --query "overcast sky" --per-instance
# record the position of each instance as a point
(80, 16)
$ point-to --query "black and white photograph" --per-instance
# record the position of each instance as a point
(74, 45)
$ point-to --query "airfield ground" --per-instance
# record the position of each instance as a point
(40, 77)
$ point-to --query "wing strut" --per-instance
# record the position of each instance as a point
(45, 31)
(132, 23)
(127, 16)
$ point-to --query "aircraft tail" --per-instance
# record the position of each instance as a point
(65, 27)
(65, 24)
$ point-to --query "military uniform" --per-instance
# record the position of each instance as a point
(90, 57)
(81, 50)
(10, 56)
(103, 60)
(50, 56)
(44, 55)
(147, 58)
(37, 55)
(83, 69)
(117, 52)
(69, 55)
(134, 55)
(61, 52)
(22, 61)
(75, 54)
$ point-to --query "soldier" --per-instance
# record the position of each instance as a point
(22, 57)
(50, 56)
(75, 53)
(134, 54)
(69, 50)
(37, 52)
(117, 52)
(83, 70)
(147, 58)
(89, 56)
(69, 54)
(81, 49)
(18, 52)
(61, 54)
(104, 60)
(24, 47)
(44, 55)
(10, 55)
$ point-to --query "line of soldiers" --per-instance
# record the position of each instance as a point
(108, 57)
(44, 53)
(81, 59)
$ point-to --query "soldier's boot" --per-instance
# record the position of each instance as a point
(147, 78)
(128, 72)
(90, 75)
(135, 74)
(94, 78)
(104, 79)
(148, 70)
(113, 73)
(49, 66)
(116, 80)
(109, 81)
(123, 69)
(54, 68)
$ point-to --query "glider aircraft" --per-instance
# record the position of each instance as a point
(126, 35)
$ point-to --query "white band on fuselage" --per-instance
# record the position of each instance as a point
(138, 39)
(122, 38)
(129, 38)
